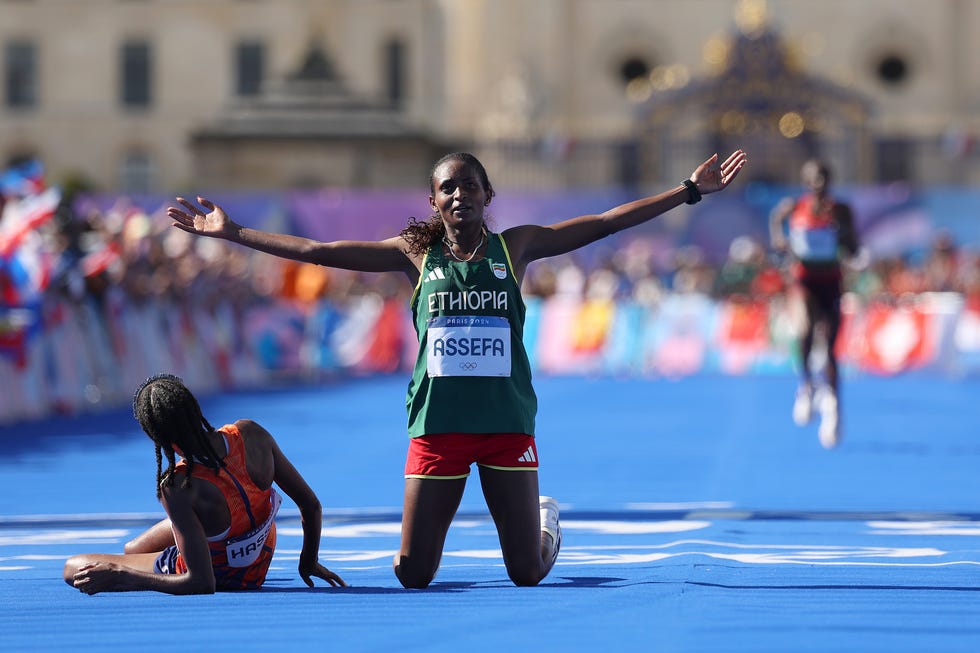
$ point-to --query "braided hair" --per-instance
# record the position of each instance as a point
(423, 234)
(171, 416)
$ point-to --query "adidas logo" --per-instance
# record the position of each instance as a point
(528, 456)
(436, 273)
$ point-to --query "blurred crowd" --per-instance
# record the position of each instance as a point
(93, 300)
(751, 270)
(124, 254)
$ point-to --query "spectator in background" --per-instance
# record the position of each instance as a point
(746, 259)
(820, 230)
(694, 275)
(942, 265)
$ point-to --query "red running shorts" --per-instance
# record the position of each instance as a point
(449, 455)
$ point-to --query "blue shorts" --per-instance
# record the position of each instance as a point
(225, 576)
(166, 562)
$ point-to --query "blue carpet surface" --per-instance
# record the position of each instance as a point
(696, 517)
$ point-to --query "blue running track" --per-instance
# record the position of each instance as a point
(696, 517)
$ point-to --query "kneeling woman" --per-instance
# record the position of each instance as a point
(220, 529)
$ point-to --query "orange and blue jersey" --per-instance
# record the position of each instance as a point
(251, 538)
(814, 238)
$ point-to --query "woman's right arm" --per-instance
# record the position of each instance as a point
(288, 478)
(389, 255)
(116, 576)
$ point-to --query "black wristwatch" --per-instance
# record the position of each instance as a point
(694, 195)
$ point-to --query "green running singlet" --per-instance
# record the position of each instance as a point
(472, 374)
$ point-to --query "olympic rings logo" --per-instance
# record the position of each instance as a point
(468, 366)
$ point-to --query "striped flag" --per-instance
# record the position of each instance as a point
(24, 215)
(22, 180)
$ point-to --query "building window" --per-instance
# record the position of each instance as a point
(20, 84)
(136, 74)
(395, 72)
(634, 73)
(892, 69)
(633, 68)
(249, 67)
(136, 173)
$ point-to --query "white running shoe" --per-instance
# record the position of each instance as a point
(803, 406)
(829, 432)
(549, 522)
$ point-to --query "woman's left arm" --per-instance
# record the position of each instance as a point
(529, 242)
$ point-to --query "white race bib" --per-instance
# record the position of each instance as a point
(468, 346)
(814, 244)
(243, 550)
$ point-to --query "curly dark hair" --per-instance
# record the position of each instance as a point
(423, 234)
(171, 416)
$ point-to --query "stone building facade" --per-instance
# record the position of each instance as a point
(173, 95)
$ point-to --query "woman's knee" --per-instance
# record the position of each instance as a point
(72, 565)
(413, 576)
(530, 580)
(525, 573)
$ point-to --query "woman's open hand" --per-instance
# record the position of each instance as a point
(192, 219)
(711, 177)
(321, 572)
